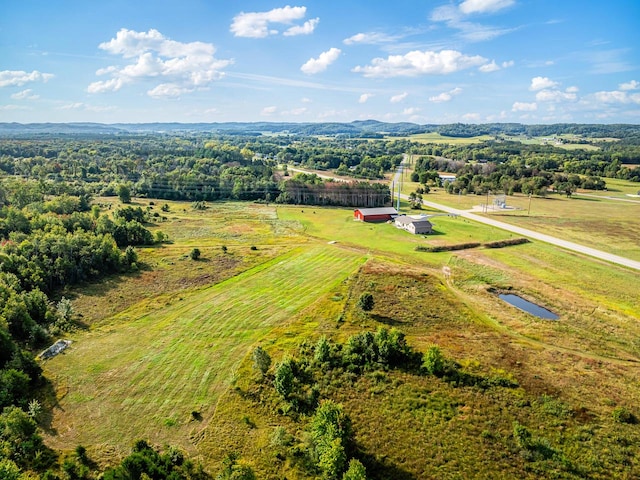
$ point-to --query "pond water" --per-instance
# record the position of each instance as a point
(528, 307)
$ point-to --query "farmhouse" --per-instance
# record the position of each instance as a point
(375, 214)
(415, 225)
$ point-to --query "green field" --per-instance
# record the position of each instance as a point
(433, 137)
(142, 376)
(165, 355)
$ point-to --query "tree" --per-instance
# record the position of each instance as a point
(195, 254)
(356, 471)
(124, 193)
(330, 433)
(261, 360)
(433, 361)
(283, 381)
(366, 302)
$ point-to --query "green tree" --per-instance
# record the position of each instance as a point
(195, 254)
(261, 360)
(356, 471)
(124, 193)
(284, 377)
(366, 302)
(330, 434)
(433, 361)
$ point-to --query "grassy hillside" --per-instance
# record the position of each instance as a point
(167, 352)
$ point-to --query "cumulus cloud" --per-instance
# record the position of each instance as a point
(420, 63)
(445, 96)
(364, 97)
(555, 96)
(269, 110)
(632, 85)
(179, 67)
(17, 78)
(493, 66)
(617, 96)
(25, 95)
(257, 24)
(410, 111)
(86, 107)
(484, 6)
(398, 98)
(305, 29)
(524, 107)
(320, 64)
(540, 83)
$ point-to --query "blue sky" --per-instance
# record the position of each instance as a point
(470, 61)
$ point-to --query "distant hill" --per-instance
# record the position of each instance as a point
(358, 128)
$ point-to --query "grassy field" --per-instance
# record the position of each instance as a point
(165, 355)
(602, 220)
(433, 137)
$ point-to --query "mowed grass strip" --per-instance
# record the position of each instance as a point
(144, 378)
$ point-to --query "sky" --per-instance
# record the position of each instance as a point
(428, 62)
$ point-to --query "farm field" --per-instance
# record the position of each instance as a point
(599, 219)
(433, 137)
(169, 359)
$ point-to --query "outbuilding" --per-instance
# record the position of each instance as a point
(415, 225)
(381, 214)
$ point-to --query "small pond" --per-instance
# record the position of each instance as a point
(528, 307)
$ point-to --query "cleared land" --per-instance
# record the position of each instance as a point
(172, 365)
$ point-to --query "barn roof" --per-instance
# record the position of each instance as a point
(406, 220)
(378, 211)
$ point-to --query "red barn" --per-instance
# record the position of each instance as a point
(375, 214)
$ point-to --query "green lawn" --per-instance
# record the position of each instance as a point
(142, 376)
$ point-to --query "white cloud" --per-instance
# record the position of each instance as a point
(573, 89)
(256, 24)
(471, 117)
(555, 96)
(306, 100)
(305, 29)
(370, 38)
(489, 67)
(617, 96)
(410, 111)
(445, 96)
(320, 64)
(474, 32)
(364, 97)
(632, 85)
(296, 111)
(11, 107)
(165, 90)
(180, 67)
(25, 95)
(398, 98)
(269, 110)
(420, 63)
(484, 6)
(17, 78)
(86, 107)
(524, 107)
(540, 83)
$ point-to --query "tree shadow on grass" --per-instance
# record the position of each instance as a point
(386, 320)
(383, 469)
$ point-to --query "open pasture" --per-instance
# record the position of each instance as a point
(143, 376)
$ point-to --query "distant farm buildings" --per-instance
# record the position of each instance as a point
(382, 214)
(446, 177)
(415, 225)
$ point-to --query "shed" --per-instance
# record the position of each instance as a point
(381, 214)
(415, 225)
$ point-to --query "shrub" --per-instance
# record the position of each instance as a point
(195, 254)
(261, 360)
(356, 471)
(366, 302)
(622, 415)
(433, 361)
(283, 381)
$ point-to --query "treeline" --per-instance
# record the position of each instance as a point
(47, 243)
(309, 189)
(193, 167)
